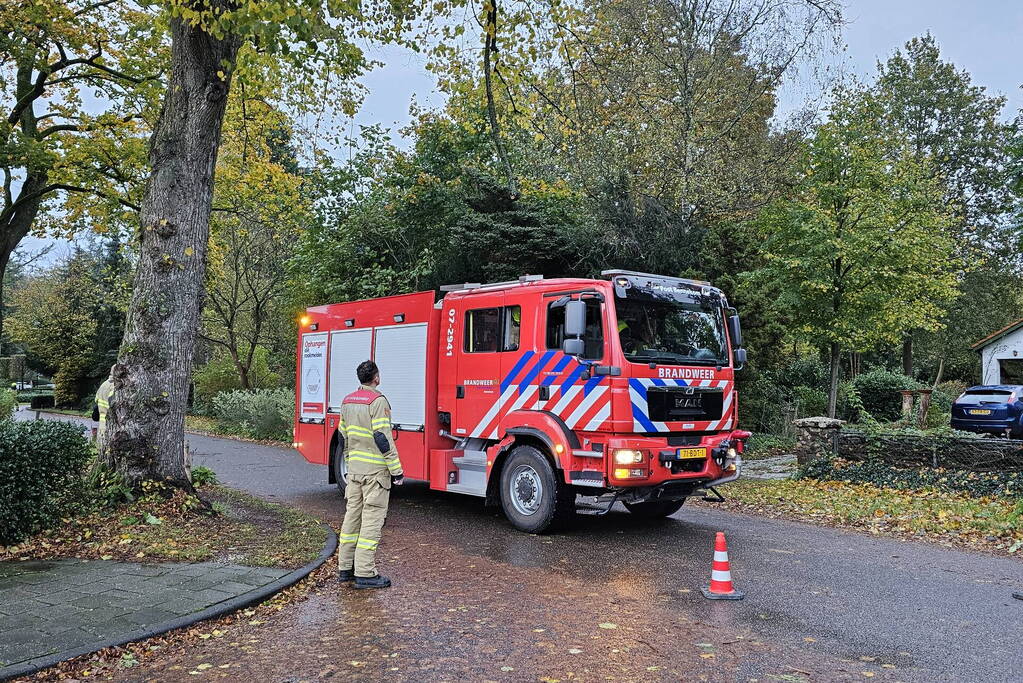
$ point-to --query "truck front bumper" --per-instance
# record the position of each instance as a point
(678, 489)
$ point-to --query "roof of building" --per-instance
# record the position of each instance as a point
(1008, 329)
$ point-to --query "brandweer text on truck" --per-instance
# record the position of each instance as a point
(533, 392)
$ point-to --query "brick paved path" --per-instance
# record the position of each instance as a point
(58, 606)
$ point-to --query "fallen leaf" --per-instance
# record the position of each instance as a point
(608, 625)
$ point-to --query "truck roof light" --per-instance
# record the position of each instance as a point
(303, 321)
(400, 318)
(350, 322)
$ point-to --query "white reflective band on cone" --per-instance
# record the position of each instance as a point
(721, 556)
(716, 575)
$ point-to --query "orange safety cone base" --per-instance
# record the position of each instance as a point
(734, 595)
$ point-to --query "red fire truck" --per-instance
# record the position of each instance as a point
(532, 392)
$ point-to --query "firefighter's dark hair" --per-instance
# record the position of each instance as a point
(366, 371)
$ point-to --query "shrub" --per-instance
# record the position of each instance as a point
(203, 476)
(41, 402)
(806, 371)
(8, 403)
(220, 375)
(879, 391)
(812, 402)
(940, 412)
(258, 414)
(41, 466)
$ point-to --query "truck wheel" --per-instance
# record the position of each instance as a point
(337, 461)
(655, 509)
(532, 498)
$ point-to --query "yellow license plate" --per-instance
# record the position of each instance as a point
(691, 453)
(980, 412)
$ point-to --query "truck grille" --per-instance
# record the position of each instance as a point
(677, 404)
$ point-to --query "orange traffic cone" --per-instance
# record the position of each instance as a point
(721, 587)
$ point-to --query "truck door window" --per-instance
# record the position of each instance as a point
(492, 329)
(594, 337)
(512, 324)
(482, 330)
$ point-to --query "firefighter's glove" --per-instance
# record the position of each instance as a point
(380, 439)
(399, 480)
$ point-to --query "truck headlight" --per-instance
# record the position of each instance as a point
(627, 456)
(732, 453)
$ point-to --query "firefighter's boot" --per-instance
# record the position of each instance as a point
(372, 581)
(345, 575)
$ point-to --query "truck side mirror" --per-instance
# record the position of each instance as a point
(735, 331)
(573, 347)
(740, 358)
(575, 318)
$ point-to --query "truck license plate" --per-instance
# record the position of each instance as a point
(980, 412)
(691, 453)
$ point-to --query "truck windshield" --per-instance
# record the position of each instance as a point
(670, 332)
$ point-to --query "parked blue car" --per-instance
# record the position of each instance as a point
(992, 408)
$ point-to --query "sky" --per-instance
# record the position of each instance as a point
(981, 36)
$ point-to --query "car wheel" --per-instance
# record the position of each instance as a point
(531, 495)
(655, 509)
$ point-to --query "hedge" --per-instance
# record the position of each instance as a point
(258, 414)
(41, 466)
(878, 473)
(41, 402)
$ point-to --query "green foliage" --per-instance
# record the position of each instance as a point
(766, 445)
(70, 318)
(42, 401)
(878, 473)
(203, 476)
(812, 401)
(396, 221)
(879, 391)
(107, 487)
(221, 374)
(8, 403)
(257, 414)
(41, 466)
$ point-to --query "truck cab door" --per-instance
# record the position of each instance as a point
(479, 330)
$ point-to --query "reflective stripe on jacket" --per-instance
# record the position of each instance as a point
(366, 428)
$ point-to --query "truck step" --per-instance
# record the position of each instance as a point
(472, 473)
(472, 461)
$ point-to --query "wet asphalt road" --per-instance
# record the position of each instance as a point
(816, 597)
(856, 595)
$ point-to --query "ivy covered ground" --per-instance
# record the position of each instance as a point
(990, 523)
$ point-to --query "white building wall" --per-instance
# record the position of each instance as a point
(1009, 346)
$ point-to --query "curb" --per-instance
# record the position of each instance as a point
(238, 602)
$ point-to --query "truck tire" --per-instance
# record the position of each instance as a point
(655, 509)
(337, 462)
(531, 495)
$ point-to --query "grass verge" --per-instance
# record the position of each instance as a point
(210, 426)
(234, 527)
(993, 524)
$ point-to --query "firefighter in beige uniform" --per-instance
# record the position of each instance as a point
(373, 466)
(101, 410)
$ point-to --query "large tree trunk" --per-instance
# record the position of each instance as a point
(836, 356)
(145, 437)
